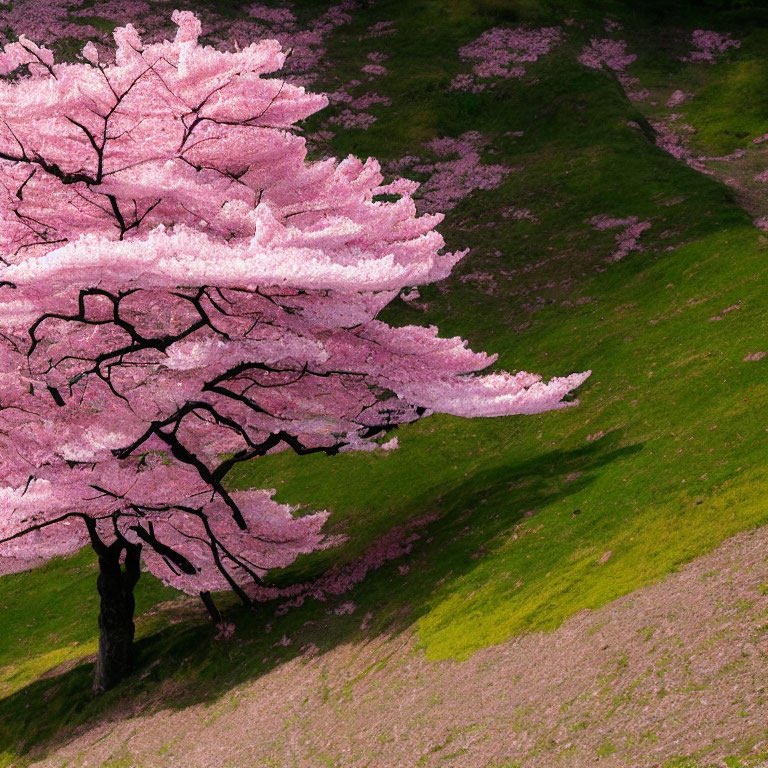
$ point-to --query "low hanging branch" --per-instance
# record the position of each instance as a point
(182, 291)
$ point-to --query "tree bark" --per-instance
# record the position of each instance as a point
(116, 629)
(213, 611)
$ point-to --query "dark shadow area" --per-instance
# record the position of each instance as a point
(683, 12)
(183, 664)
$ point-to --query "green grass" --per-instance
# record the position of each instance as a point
(679, 465)
(730, 762)
(43, 617)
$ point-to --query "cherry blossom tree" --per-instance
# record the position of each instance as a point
(180, 291)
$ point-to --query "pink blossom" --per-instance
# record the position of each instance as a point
(513, 212)
(381, 29)
(466, 82)
(353, 120)
(193, 293)
(673, 142)
(374, 69)
(340, 96)
(603, 221)
(606, 53)
(281, 16)
(737, 154)
(226, 630)
(321, 137)
(707, 44)
(602, 53)
(459, 173)
(500, 52)
(626, 240)
(677, 98)
(345, 609)
(629, 83)
(670, 141)
(366, 623)
(44, 20)
(348, 118)
(368, 100)
(340, 579)
(307, 44)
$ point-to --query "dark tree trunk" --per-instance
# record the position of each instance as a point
(115, 584)
(213, 611)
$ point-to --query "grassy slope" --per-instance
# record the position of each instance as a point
(679, 466)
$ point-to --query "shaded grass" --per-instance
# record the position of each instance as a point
(43, 616)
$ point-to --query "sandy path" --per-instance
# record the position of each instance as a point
(671, 669)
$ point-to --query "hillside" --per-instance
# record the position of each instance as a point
(608, 231)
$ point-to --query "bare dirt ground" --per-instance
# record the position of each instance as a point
(678, 668)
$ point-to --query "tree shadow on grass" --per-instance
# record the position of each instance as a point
(181, 664)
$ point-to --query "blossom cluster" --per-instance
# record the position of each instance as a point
(339, 579)
(502, 52)
(182, 290)
(707, 44)
(47, 21)
(457, 172)
(626, 240)
(306, 43)
(671, 141)
(355, 114)
(612, 54)
(677, 98)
